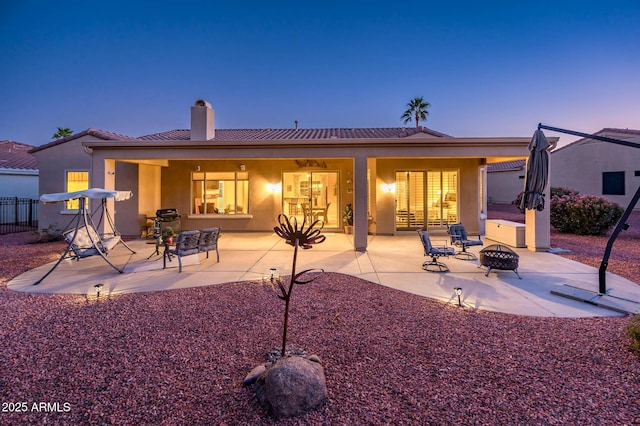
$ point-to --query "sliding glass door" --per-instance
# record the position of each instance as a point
(312, 195)
(442, 198)
(426, 199)
(410, 196)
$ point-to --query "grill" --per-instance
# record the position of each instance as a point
(167, 218)
(497, 256)
(167, 215)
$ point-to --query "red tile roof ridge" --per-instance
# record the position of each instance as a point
(98, 133)
(300, 133)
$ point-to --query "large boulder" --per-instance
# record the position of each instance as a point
(294, 386)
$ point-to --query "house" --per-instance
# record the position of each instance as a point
(397, 179)
(18, 170)
(594, 167)
(505, 180)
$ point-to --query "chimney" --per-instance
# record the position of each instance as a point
(296, 124)
(202, 128)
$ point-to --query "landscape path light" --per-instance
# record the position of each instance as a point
(458, 291)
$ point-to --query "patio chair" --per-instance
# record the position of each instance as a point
(209, 241)
(435, 253)
(459, 237)
(187, 244)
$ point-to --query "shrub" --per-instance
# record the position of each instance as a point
(633, 332)
(557, 191)
(583, 214)
(47, 235)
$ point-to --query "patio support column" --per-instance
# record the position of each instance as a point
(103, 176)
(109, 183)
(538, 224)
(360, 190)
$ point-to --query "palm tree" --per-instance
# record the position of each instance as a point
(62, 133)
(417, 110)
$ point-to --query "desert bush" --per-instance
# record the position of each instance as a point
(47, 235)
(572, 213)
(558, 191)
(633, 332)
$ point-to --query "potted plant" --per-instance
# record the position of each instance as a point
(167, 235)
(347, 218)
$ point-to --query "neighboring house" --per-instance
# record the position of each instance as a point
(18, 171)
(397, 179)
(594, 167)
(505, 180)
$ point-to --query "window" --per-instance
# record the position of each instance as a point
(220, 192)
(76, 181)
(613, 183)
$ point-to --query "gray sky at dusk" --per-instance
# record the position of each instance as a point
(491, 68)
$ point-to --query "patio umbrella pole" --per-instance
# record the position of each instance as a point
(588, 136)
(622, 223)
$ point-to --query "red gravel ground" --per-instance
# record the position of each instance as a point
(178, 357)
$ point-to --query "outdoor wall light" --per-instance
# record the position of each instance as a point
(274, 187)
(242, 167)
(388, 187)
(458, 291)
(98, 288)
(111, 172)
(196, 168)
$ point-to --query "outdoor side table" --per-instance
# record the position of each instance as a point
(497, 256)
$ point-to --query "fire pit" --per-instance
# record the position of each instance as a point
(497, 256)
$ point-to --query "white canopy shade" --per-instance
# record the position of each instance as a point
(87, 193)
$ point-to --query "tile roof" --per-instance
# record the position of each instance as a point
(619, 131)
(505, 166)
(15, 155)
(298, 134)
(101, 134)
(258, 134)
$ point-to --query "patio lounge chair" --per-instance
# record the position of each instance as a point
(209, 241)
(460, 238)
(187, 244)
(434, 252)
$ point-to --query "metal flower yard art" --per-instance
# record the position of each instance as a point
(296, 237)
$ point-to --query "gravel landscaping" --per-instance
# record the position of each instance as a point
(179, 357)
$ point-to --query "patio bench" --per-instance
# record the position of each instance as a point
(192, 242)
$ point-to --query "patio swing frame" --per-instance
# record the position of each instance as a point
(622, 223)
(85, 220)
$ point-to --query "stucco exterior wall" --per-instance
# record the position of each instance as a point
(580, 167)
(125, 214)
(504, 186)
(264, 206)
(54, 163)
(468, 181)
(20, 185)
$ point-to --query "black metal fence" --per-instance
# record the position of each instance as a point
(18, 215)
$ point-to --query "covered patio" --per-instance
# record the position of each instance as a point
(392, 261)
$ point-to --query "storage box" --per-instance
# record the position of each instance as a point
(506, 232)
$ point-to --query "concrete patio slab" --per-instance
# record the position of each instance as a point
(392, 261)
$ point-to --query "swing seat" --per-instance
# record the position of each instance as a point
(88, 241)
